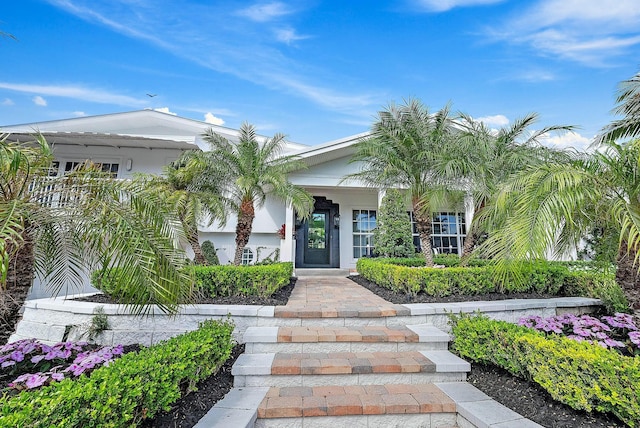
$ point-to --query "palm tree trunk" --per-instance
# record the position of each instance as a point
(424, 228)
(243, 228)
(469, 243)
(198, 255)
(19, 281)
(627, 275)
(471, 238)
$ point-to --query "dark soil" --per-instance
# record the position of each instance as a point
(187, 411)
(533, 402)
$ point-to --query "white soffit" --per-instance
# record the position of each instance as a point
(87, 139)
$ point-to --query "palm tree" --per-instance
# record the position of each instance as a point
(628, 100)
(486, 158)
(191, 193)
(63, 227)
(552, 206)
(250, 171)
(409, 148)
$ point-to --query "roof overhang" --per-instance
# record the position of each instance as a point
(332, 150)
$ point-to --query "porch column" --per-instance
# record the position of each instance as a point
(381, 194)
(286, 244)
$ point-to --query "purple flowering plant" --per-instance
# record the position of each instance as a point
(613, 332)
(36, 364)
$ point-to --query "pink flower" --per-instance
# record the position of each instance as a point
(36, 380)
(17, 356)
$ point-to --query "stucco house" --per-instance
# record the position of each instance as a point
(338, 233)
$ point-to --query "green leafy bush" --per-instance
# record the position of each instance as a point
(253, 280)
(218, 281)
(582, 375)
(596, 284)
(131, 389)
(556, 278)
(393, 235)
(404, 276)
(210, 253)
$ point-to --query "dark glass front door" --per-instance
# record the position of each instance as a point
(317, 240)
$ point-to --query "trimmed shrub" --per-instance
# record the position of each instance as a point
(556, 278)
(131, 389)
(411, 277)
(210, 253)
(219, 281)
(393, 236)
(253, 280)
(582, 375)
(600, 285)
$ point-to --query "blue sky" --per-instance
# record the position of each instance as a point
(318, 71)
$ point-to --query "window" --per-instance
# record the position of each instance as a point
(447, 236)
(364, 221)
(247, 256)
(109, 167)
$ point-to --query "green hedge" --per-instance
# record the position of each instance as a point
(556, 278)
(595, 284)
(129, 390)
(254, 280)
(403, 277)
(582, 375)
(219, 281)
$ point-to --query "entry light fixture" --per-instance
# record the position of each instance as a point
(336, 221)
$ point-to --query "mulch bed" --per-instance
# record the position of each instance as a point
(533, 402)
(188, 410)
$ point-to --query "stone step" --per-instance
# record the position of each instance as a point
(344, 339)
(306, 272)
(387, 405)
(348, 310)
(348, 368)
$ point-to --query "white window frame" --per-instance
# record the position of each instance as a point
(458, 235)
(358, 251)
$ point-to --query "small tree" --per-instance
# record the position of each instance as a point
(210, 253)
(393, 235)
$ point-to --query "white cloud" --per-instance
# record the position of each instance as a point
(586, 31)
(288, 35)
(39, 101)
(210, 118)
(497, 120)
(79, 113)
(226, 43)
(165, 110)
(263, 12)
(75, 92)
(566, 140)
(535, 76)
(444, 5)
(7, 102)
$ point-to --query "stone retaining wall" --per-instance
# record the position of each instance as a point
(52, 320)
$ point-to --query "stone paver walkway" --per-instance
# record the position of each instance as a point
(341, 367)
(335, 297)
